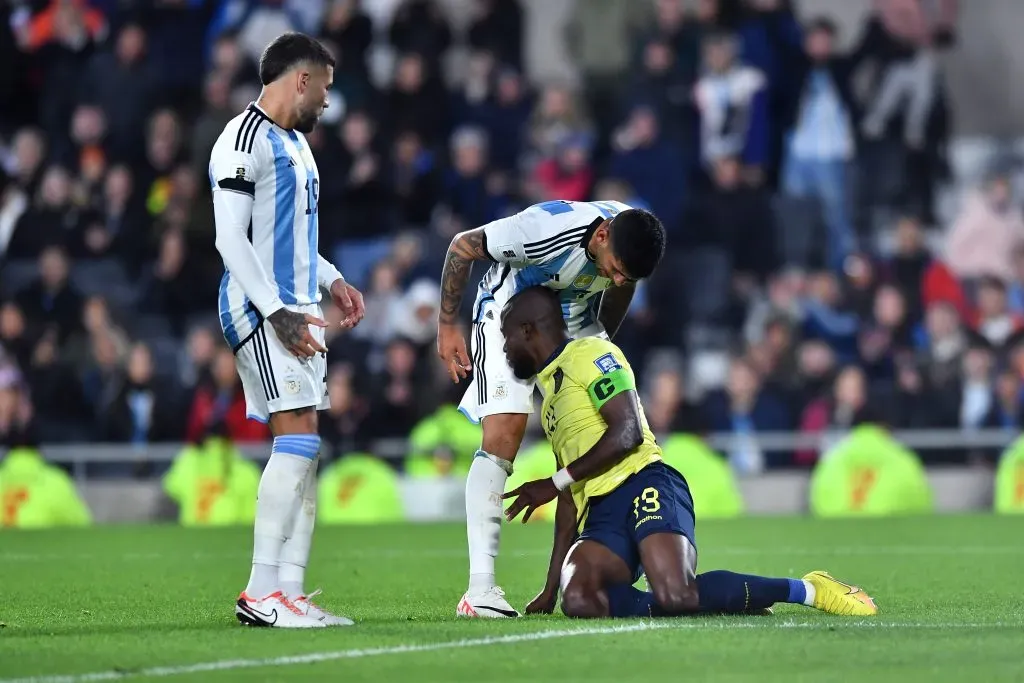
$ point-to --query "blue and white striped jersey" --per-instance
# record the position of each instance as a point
(546, 245)
(272, 169)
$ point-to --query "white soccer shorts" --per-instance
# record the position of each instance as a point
(274, 379)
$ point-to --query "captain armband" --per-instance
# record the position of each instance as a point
(608, 386)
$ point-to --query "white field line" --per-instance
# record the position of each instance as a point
(317, 657)
(443, 553)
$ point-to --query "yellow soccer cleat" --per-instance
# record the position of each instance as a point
(836, 597)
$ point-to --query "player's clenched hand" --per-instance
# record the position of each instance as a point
(451, 348)
(529, 497)
(544, 603)
(350, 301)
(292, 330)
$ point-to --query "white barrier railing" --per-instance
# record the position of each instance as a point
(79, 455)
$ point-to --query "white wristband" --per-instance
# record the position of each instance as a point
(562, 479)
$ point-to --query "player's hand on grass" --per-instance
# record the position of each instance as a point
(529, 497)
(451, 348)
(544, 603)
(293, 330)
(350, 301)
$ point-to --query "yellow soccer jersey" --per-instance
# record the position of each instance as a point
(585, 375)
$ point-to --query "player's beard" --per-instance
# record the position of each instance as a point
(307, 122)
(522, 368)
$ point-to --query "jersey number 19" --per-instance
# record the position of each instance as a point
(312, 195)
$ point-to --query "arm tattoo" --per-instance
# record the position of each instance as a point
(465, 248)
(614, 305)
(290, 327)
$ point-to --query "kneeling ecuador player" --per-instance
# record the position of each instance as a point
(636, 511)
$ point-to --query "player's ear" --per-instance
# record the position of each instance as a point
(302, 80)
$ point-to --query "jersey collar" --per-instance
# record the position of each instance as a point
(591, 229)
(553, 356)
(259, 110)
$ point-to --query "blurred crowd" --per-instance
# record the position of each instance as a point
(810, 283)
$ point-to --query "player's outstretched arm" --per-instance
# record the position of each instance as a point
(466, 247)
(614, 305)
(565, 536)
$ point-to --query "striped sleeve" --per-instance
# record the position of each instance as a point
(532, 236)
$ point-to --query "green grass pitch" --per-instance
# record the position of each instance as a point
(154, 602)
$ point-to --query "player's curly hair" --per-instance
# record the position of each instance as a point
(289, 49)
(638, 240)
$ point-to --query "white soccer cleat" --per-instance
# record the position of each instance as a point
(273, 610)
(305, 604)
(491, 604)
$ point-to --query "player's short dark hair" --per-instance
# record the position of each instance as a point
(290, 49)
(545, 306)
(638, 240)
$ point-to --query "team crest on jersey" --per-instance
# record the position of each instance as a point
(292, 384)
(607, 363)
(583, 281)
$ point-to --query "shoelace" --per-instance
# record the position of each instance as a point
(308, 599)
(291, 606)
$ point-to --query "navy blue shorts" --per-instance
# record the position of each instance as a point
(654, 500)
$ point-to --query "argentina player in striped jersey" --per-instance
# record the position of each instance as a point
(265, 188)
(592, 254)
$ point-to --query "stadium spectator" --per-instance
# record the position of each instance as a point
(143, 410)
(663, 86)
(416, 180)
(356, 194)
(50, 220)
(395, 407)
(845, 408)
(827, 318)
(732, 102)
(945, 344)
(986, 233)
(978, 405)
(504, 118)
(497, 27)
(348, 27)
(996, 323)
(341, 426)
(420, 26)
(417, 100)
(909, 263)
(51, 302)
(652, 165)
(886, 335)
(568, 175)
(821, 137)
(559, 111)
(744, 408)
(472, 192)
(123, 84)
(599, 37)
(220, 404)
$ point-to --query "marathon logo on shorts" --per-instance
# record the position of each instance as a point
(607, 363)
(648, 518)
(500, 392)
